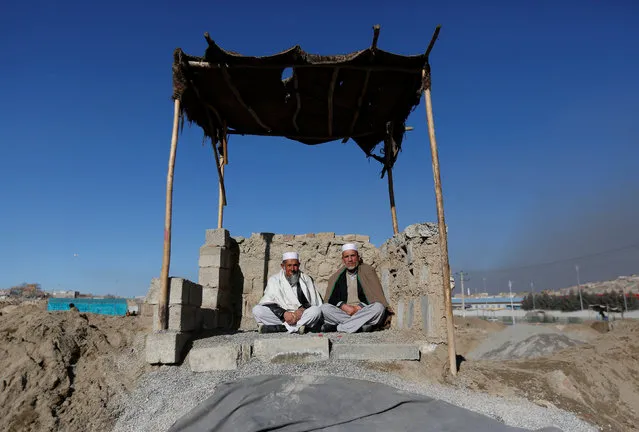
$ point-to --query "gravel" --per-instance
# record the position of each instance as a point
(164, 395)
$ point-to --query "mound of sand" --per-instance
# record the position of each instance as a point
(65, 370)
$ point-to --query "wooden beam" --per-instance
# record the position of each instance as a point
(301, 137)
(238, 97)
(380, 68)
(331, 92)
(433, 40)
(376, 28)
(163, 303)
(222, 195)
(359, 106)
(298, 98)
(388, 152)
(443, 235)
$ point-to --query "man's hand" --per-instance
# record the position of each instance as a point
(290, 318)
(299, 313)
(350, 309)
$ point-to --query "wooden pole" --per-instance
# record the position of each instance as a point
(441, 221)
(166, 258)
(389, 174)
(222, 161)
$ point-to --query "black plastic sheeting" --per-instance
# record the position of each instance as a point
(312, 403)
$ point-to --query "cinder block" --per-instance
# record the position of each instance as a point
(182, 318)
(221, 357)
(209, 297)
(179, 291)
(349, 237)
(215, 277)
(207, 318)
(195, 295)
(215, 256)
(375, 352)
(153, 295)
(362, 238)
(165, 347)
(217, 237)
(291, 350)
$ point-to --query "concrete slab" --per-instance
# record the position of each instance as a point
(165, 347)
(222, 357)
(375, 352)
(292, 350)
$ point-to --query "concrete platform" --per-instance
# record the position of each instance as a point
(293, 350)
(375, 352)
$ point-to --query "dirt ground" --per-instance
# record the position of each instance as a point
(597, 378)
(65, 370)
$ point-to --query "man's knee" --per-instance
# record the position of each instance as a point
(258, 311)
(326, 307)
(378, 308)
(314, 312)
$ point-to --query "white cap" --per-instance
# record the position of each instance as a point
(290, 255)
(349, 246)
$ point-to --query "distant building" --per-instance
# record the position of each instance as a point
(65, 294)
(488, 303)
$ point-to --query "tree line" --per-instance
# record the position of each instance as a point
(571, 302)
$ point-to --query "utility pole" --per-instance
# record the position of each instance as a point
(581, 300)
(625, 302)
(462, 279)
(484, 285)
(532, 292)
(512, 306)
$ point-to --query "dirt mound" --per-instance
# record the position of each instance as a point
(65, 370)
(535, 346)
(598, 380)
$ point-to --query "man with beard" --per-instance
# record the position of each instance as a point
(290, 302)
(354, 296)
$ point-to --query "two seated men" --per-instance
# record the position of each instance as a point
(354, 299)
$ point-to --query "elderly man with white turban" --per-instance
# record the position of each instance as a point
(290, 302)
(355, 299)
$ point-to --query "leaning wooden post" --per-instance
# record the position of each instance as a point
(389, 173)
(163, 310)
(441, 221)
(223, 161)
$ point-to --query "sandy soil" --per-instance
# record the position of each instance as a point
(65, 370)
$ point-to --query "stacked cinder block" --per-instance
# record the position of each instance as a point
(215, 272)
(185, 298)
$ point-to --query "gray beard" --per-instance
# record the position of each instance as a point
(293, 279)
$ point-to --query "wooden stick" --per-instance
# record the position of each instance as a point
(388, 152)
(163, 310)
(331, 91)
(433, 40)
(443, 236)
(376, 28)
(222, 161)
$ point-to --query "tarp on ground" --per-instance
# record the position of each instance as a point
(110, 306)
(312, 403)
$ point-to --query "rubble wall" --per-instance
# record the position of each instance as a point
(408, 265)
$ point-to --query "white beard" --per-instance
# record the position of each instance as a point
(293, 279)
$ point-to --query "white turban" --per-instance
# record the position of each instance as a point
(349, 246)
(290, 255)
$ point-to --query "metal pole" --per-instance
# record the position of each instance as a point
(625, 303)
(581, 300)
(512, 306)
(532, 291)
(441, 224)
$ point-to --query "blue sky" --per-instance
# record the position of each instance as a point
(535, 110)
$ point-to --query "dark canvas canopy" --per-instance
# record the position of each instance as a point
(365, 96)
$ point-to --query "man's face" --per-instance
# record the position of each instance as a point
(291, 267)
(350, 258)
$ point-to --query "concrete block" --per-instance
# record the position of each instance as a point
(207, 318)
(221, 357)
(153, 295)
(217, 237)
(409, 314)
(246, 351)
(349, 237)
(195, 295)
(400, 314)
(215, 256)
(292, 350)
(209, 297)
(425, 311)
(165, 347)
(426, 347)
(362, 238)
(182, 318)
(375, 352)
(215, 277)
(179, 291)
